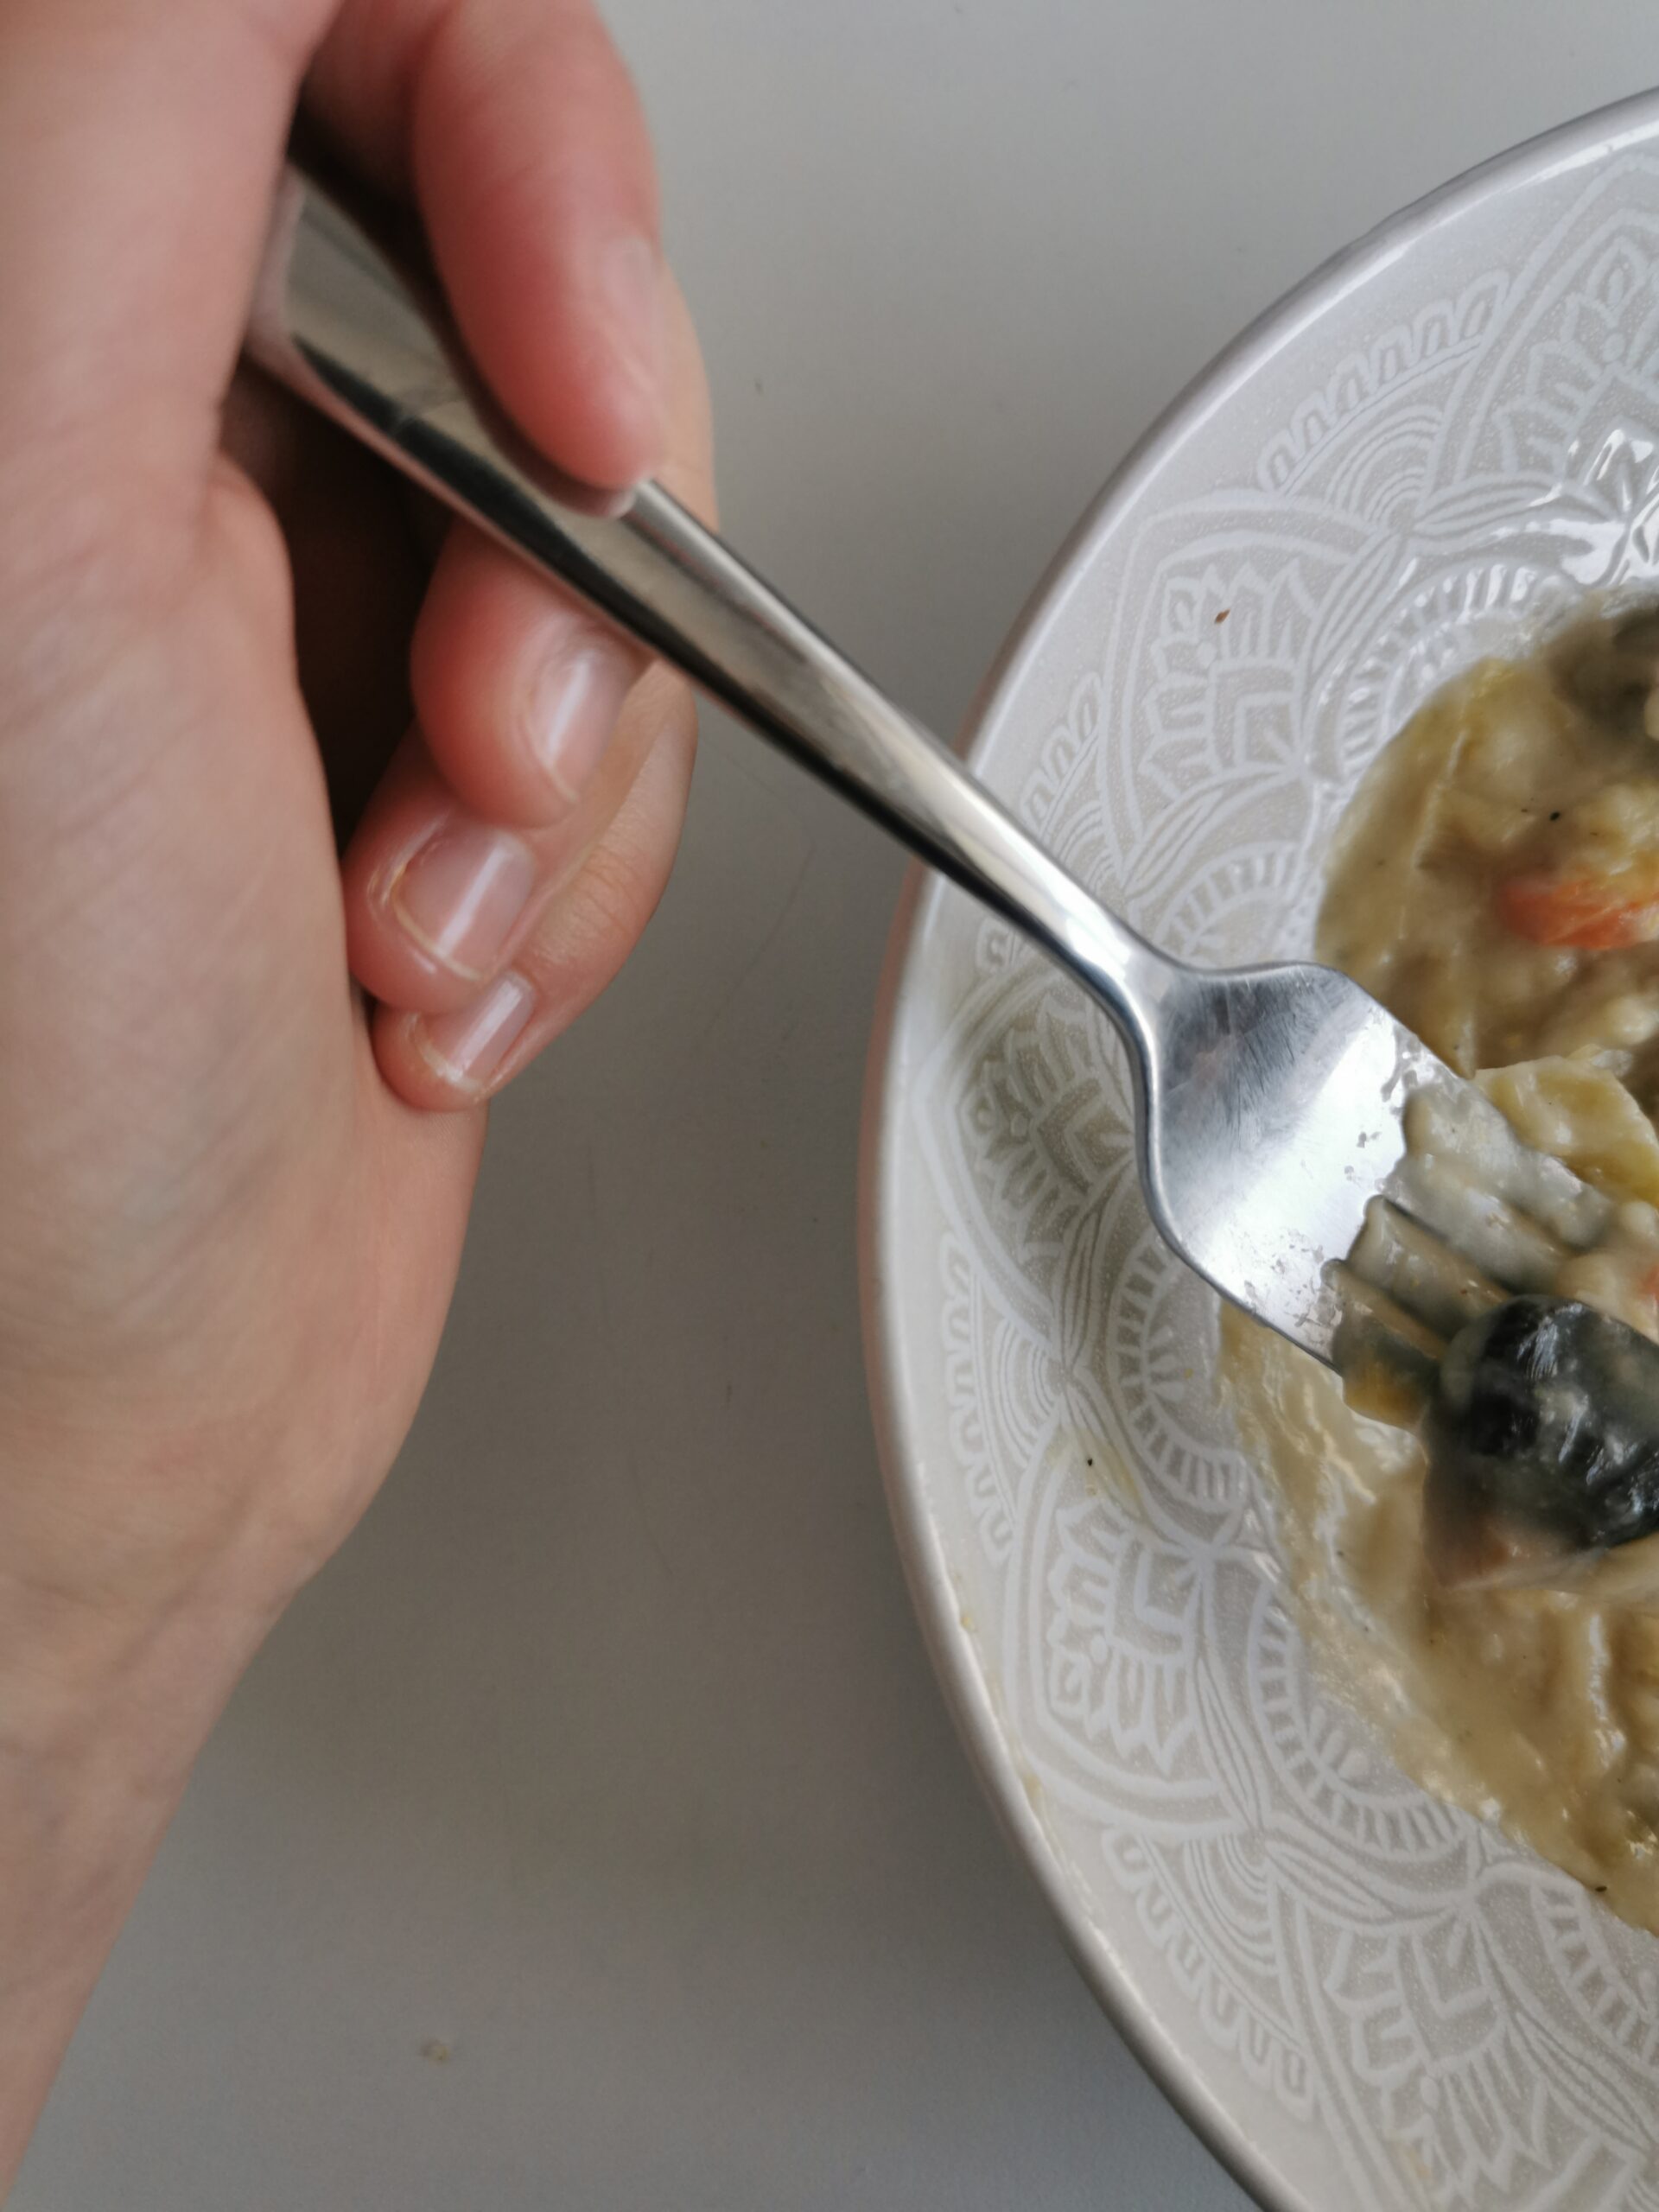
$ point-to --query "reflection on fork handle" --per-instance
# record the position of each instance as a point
(344, 324)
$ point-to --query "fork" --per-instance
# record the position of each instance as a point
(1270, 1102)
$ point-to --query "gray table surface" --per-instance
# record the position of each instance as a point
(607, 1757)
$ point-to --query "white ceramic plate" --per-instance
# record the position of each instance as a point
(1361, 1998)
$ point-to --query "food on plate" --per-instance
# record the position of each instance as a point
(1496, 884)
(1541, 1436)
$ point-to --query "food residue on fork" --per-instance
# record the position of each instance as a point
(1496, 885)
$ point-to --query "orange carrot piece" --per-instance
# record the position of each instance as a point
(1598, 917)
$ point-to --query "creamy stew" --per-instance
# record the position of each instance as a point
(1495, 883)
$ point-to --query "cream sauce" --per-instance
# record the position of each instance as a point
(1495, 883)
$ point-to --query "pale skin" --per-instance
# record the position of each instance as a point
(243, 1078)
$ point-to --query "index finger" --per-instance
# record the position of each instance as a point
(516, 128)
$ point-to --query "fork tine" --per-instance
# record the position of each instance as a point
(1387, 1358)
(1455, 1121)
(1511, 1247)
(1419, 1271)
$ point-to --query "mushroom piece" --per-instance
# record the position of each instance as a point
(1543, 1436)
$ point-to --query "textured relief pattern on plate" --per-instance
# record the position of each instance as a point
(1460, 2025)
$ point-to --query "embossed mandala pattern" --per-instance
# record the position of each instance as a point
(1457, 2024)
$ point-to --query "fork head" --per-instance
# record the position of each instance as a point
(1277, 1106)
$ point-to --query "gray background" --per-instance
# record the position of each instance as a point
(607, 1756)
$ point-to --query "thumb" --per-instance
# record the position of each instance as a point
(139, 141)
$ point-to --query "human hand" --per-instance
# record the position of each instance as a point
(230, 1217)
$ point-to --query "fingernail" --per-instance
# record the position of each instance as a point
(631, 299)
(467, 1047)
(461, 894)
(576, 701)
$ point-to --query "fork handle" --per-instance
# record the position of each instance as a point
(359, 333)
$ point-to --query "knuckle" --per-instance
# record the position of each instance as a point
(614, 903)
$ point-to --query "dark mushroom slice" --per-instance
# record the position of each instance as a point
(1543, 1436)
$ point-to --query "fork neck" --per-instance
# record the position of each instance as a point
(706, 609)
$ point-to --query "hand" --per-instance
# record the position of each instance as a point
(230, 1218)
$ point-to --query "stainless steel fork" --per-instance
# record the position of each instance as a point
(1270, 1101)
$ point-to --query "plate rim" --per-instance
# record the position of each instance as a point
(952, 1650)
